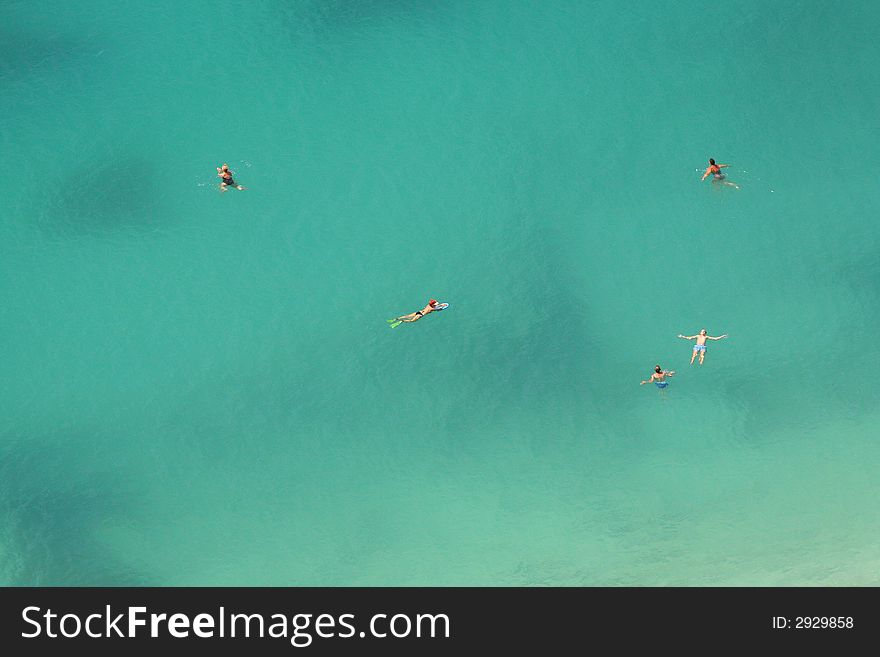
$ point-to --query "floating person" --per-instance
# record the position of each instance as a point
(714, 170)
(226, 179)
(417, 315)
(700, 347)
(659, 377)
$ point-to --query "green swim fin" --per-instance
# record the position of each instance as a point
(396, 324)
(391, 321)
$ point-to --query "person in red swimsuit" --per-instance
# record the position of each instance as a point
(715, 171)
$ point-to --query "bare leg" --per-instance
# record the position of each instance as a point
(693, 355)
(702, 355)
(724, 181)
(242, 188)
(223, 187)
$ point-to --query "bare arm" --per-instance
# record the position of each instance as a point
(705, 175)
(709, 337)
(687, 337)
(722, 166)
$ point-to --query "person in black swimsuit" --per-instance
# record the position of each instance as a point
(226, 179)
(417, 315)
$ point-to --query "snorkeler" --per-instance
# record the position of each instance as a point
(226, 178)
(700, 347)
(659, 377)
(417, 315)
(715, 171)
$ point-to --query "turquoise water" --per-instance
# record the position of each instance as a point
(202, 389)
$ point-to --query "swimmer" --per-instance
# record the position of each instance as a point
(700, 347)
(659, 377)
(416, 316)
(226, 178)
(715, 171)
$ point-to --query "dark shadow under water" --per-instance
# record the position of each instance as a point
(54, 512)
(25, 53)
(116, 194)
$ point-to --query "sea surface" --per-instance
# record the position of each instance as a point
(200, 388)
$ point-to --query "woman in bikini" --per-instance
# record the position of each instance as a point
(715, 171)
(417, 315)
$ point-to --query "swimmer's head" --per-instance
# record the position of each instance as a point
(657, 369)
(711, 161)
(432, 302)
(224, 167)
(702, 331)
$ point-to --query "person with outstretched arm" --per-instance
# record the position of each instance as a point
(700, 347)
(714, 170)
(658, 378)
